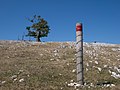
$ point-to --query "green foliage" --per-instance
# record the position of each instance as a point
(39, 27)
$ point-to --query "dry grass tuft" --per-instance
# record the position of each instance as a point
(52, 66)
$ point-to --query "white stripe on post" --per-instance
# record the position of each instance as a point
(79, 50)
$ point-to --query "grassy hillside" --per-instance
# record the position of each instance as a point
(52, 66)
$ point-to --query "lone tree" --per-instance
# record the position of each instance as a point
(38, 29)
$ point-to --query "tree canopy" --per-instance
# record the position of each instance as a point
(38, 29)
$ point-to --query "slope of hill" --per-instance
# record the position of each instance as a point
(52, 66)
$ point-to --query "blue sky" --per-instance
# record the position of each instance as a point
(100, 18)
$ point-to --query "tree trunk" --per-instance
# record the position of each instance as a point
(38, 39)
(38, 36)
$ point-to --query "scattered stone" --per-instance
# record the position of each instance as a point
(14, 79)
(41, 54)
(96, 62)
(105, 66)
(21, 80)
(100, 69)
(90, 61)
(91, 84)
(114, 70)
(105, 84)
(115, 75)
(56, 51)
(63, 46)
(86, 69)
(110, 67)
(52, 59)
(68, 64)
(66, 82)
(71, 81)
(109, 71)
(14, 76)
(28, 75)
(74, 84)
(56, 54)
(74, 70)
(57, 59)
(8, 57)
(60, 74)
(3, 82)
(61, 88)
(87, 64)
(118, 59)
(112, 85)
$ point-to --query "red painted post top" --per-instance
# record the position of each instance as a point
(79, 27)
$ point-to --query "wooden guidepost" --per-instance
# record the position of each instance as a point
(79, 50)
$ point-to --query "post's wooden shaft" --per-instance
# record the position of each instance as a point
(79, 50)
